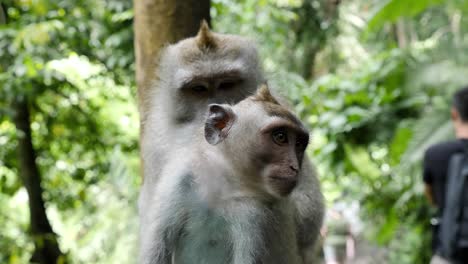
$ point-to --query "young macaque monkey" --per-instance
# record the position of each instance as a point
(225, 199)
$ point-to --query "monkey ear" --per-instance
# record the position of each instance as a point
(219, 121)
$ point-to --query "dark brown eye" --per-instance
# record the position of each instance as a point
(280, 136)
(302, 142)
(199, 88)
(226, 85)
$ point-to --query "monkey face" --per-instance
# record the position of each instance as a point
(206, 69)
(281, 150)
(262, 140)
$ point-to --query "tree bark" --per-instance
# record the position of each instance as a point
(401, 34)
(157, 23)
(3, 16)
(46, 247)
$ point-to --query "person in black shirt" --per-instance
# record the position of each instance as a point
(437, 157)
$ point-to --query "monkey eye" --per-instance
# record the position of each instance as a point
(280, 136)
(301, 143)
(199, 88)
(228, 84)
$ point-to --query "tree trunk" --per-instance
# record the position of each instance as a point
(3, 17)
(157, 23)
(46, 247)
(401, 34)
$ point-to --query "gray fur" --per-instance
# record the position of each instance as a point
(171, 122)
(201, 212)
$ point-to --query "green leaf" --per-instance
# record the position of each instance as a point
(362, 162)
(399, 144)
(392, 10)
(388, 229)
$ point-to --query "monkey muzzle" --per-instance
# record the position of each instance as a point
(284, 185)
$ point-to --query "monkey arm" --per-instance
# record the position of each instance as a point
(248, 221)
(308, 201)
(162, 219)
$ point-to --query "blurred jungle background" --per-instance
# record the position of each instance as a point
(372, 79)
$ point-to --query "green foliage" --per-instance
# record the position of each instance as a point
(290, 33)
(72, 61)
(392, 10)
(373, 123)
(377, 108)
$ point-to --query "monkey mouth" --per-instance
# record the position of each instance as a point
(283, 185)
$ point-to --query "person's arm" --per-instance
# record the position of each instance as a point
(429, 194)
(428, 179)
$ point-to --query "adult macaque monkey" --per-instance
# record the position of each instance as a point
(226, 198)
(193, 73)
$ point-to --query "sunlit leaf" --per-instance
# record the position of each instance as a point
(392, 10)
